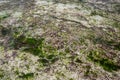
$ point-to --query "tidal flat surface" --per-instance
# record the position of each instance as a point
(59, 40)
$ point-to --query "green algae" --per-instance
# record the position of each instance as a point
(1, 73)
(116, 24)
(117, 7)
(28, 76)
(31, 45)
(47, 54)
(4, 31)
(3, 16)
(105, 63)
(98, 12)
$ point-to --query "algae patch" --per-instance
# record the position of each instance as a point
(31, 45)
(3, 15)
(105, 63)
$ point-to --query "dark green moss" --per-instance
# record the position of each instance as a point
(67, 50)
(117, 8)
(108, 65)
(31, 45)
(77, 60)
(116, 24)
(50, 59)
(44, 61)
(87, 72)
(105, 63)
(117, 46)
(71, 79)
(26, 76)
(4, 16)
(94, 13)
(5, 31)
(1, 74)
(98, 12)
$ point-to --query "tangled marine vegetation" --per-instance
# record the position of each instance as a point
(59, 40)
